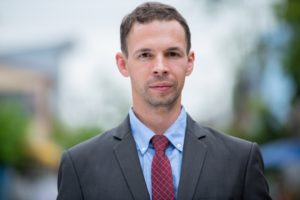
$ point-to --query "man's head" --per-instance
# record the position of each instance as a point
(147, 13)
(155, 55)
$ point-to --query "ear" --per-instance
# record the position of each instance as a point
(190, 65)
(121, 63)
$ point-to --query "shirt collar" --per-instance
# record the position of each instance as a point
(142, 134)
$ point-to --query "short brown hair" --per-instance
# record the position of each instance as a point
(148, 12)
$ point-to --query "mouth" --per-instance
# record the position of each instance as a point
(161, 87)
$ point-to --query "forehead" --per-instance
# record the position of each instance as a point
(156, 33)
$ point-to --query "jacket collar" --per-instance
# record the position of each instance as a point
(194, 154)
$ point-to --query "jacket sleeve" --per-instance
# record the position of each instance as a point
(68, 183)
(255, 185)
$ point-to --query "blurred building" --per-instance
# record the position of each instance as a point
(30, 76)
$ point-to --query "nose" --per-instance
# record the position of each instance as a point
(160, 67)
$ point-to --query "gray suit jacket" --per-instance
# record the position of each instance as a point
(214, 166)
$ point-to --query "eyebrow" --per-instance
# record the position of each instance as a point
(175, 49)
(143, 50)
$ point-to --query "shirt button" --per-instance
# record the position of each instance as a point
(144, 149)
(178, 145)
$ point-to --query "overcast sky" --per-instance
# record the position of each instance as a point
(91, 88)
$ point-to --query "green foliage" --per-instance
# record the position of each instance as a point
(67, 137)
(14, 121)
(289, 13)
(257, 124)
(13, 124)
(253, 118)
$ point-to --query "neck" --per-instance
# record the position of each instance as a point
(158, 119)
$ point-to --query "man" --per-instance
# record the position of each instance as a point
(158, 151)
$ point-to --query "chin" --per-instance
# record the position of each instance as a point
(165, 102)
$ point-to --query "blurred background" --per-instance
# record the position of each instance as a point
(59, 84)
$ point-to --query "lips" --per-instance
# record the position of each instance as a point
(161, 86)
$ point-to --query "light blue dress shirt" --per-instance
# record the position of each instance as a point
(142, 136)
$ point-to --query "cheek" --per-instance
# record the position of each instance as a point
(141, 72)
(180, 76)
(179, 71)
(137, 78)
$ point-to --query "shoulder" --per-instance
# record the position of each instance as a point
(227, 140)
(101, 144)
(236, 160)
(224, 148)
(219, 142)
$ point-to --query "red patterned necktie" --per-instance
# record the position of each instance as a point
(162, 184)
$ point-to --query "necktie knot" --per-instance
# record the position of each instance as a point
(160, 143)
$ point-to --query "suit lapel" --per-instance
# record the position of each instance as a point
(193, 159)
(126, 154)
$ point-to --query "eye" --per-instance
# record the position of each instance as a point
(173, 54)
(145, 55)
